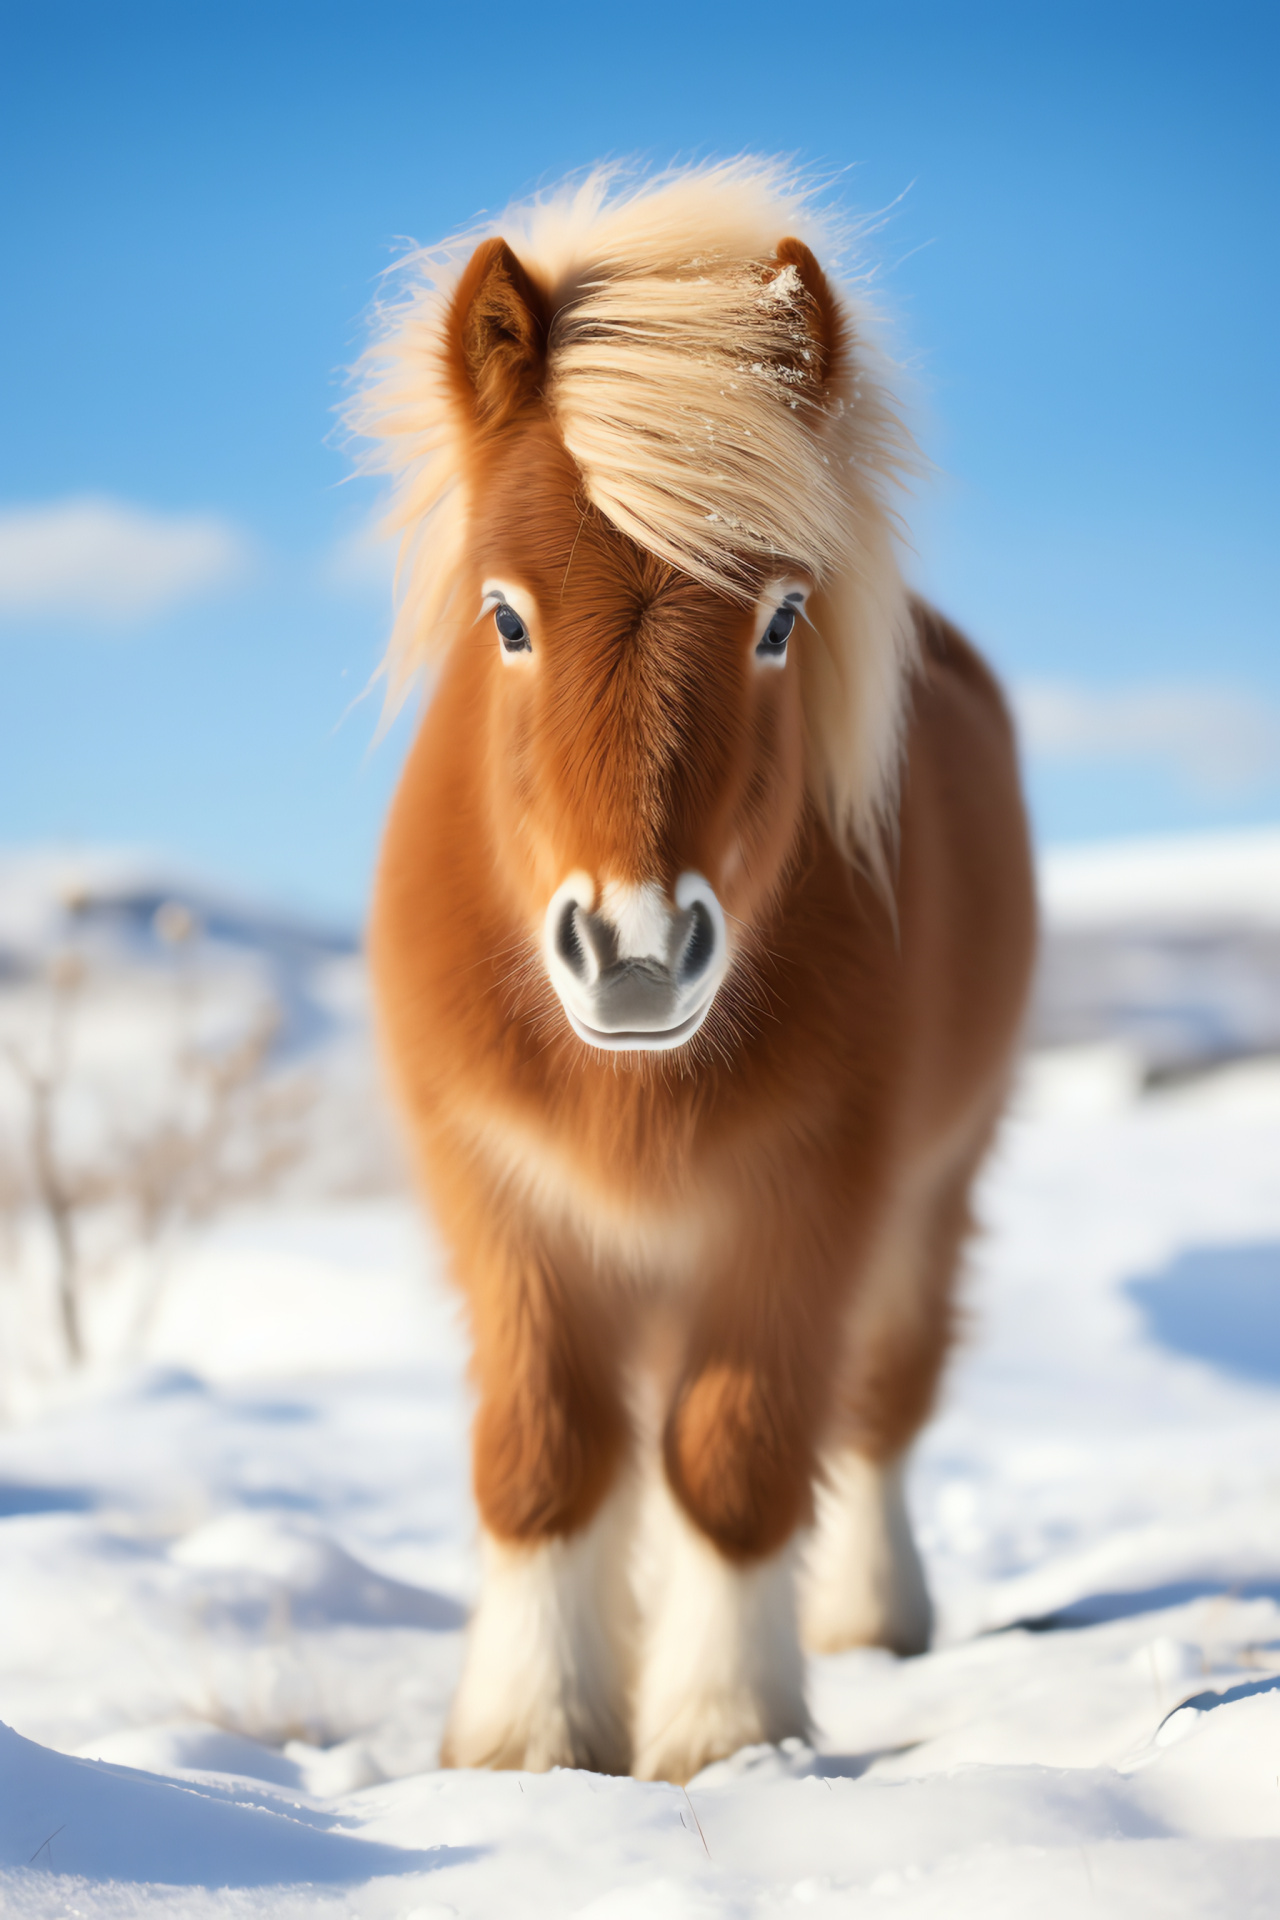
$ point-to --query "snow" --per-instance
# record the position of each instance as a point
(1190, 877)
(1168, 952)
(233, 1582)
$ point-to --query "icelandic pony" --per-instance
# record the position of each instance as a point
(701, 938)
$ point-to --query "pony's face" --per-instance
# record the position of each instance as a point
(644, 753)
(645, 745)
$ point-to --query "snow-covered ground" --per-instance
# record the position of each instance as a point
(233, 1582)
(1171, 948)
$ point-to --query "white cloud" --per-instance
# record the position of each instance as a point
(1216, 739)
(104, 561)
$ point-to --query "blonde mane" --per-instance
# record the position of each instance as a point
(672, 378)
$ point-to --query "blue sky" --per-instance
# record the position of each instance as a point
(1080, 267)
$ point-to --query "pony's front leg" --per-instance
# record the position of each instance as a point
(547, 1666)
(721, 1666)
(863, 1584)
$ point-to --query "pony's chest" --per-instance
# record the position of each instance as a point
(645, 1218)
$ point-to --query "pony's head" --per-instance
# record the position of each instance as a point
(641, 454)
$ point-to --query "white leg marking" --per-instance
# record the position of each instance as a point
(863, 1584)
(546, 1673)
(721, 1666)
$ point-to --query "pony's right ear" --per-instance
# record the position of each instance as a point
(497, 334)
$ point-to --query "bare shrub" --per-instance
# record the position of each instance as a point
(60, 1185)
(111, 1164)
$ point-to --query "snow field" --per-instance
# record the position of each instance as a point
(232, 1586)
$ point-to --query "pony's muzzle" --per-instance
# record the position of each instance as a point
(635, 969)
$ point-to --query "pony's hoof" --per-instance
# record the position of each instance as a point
(533, 1745)
(709, 1730)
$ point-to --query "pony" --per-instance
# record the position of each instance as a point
(701, 936)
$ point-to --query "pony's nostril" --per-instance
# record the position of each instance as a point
(569, 941)
(699, 948)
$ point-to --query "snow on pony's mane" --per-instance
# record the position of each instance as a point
(671, 376)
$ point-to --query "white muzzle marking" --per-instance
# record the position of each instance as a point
(635, 973)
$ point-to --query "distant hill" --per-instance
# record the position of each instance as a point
(1169, 946)
(125, 913)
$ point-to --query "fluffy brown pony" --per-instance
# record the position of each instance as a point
(702, 934)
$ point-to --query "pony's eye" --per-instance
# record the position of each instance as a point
(514, 634)
(773, 641)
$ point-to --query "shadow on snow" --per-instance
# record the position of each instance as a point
(1220, 1305)
(1095, 1609)
(69, 1816)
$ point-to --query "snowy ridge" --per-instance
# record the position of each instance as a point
(43, 892)
(1168, 949)
(108, 905)
(1193, 879)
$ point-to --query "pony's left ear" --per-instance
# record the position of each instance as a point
(497, 334)
(822, 312)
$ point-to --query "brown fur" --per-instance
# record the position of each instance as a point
(788, 1192)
